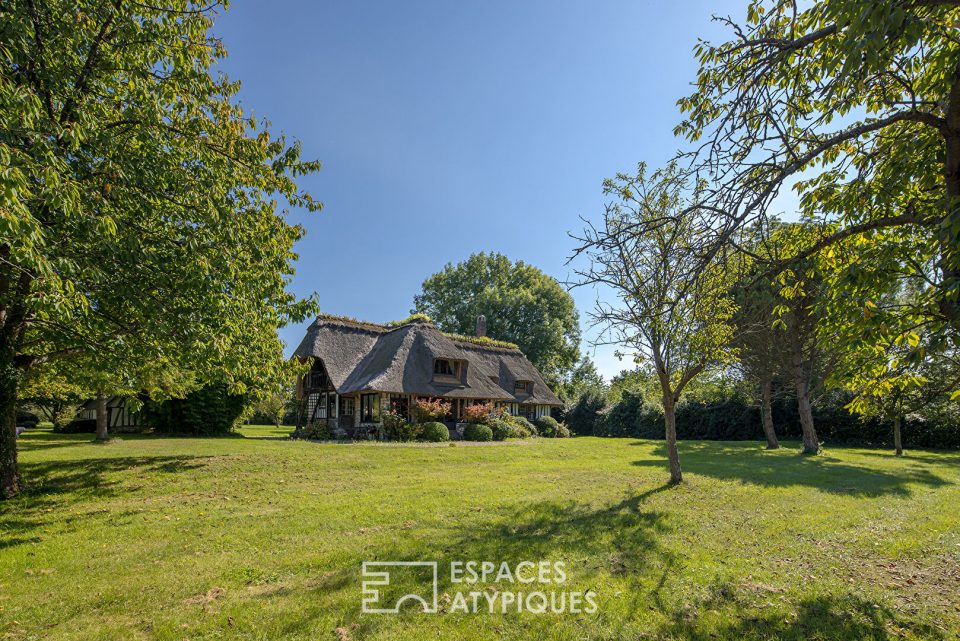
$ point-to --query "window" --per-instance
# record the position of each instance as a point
(370, 408)
(522, 387)
(346, 404)
(446, 367)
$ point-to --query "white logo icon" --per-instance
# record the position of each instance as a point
(372, 578)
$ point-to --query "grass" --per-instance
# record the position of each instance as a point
(262, 538)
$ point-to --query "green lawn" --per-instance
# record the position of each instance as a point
(263, 538)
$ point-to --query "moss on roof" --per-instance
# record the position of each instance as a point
(483, 341)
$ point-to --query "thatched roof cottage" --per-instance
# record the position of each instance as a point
(362, 370)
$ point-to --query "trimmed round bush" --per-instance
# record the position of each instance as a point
(547, 426)
(477, 432)
(434, 432)
(562, 431)
(523, 427)
(501, 429)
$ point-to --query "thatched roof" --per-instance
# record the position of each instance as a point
(399, 358)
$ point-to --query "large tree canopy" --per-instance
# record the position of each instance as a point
(521, 303)
(138, 222)
(857, 105)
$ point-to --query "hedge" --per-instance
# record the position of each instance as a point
(735, 419)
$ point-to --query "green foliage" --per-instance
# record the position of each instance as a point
(315, 431)
(675, 311)
(396, 428)
(522, 428)
(412, 318)
(501, 429)
(586, 415)
(274, 406)
(211, 410)
(633, 416)
(563, 431)
(477, 432)
(138, 202)
(864, 98)
(434, 432)
(547, 426)
(522, 305)
(581, 379)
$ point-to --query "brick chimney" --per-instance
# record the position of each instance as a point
(481, 326)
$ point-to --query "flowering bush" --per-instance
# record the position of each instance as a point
(396, 428)
(426, 410)
(481, 413)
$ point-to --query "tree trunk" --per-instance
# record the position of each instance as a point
(9, 380)
(897, 437)
(102, 415)
(670, 419)
(949, 303)
(766, 413)
(811, 445)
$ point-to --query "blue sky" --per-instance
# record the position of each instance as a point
(449, 128)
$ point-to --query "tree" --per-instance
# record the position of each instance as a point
(138, 220)
(275, 403)
(49, 394)
(672, 310)
(758, 345)
(913, 373)
(857, 106)
(521, 304)
(581, 379)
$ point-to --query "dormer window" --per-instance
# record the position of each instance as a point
(522, 387)
(447, 368)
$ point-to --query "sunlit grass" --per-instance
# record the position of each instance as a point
(262, 538)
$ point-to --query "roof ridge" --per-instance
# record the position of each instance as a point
(413, 319)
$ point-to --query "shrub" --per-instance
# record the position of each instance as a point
(477, 432)
(586, 413)
(519, 426)
(434, 432)
(501, 429)
(315, 432)
(563, 431)
(406, 432)
(481, 413)
(209, 411)
(522, 427)
(632, 417)
(425, 410)
(393, 425)
(547, 426)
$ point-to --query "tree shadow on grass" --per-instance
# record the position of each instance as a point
(622, 539)
(824, 472)
(825, 617)
(51, 487)
(941, 457)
